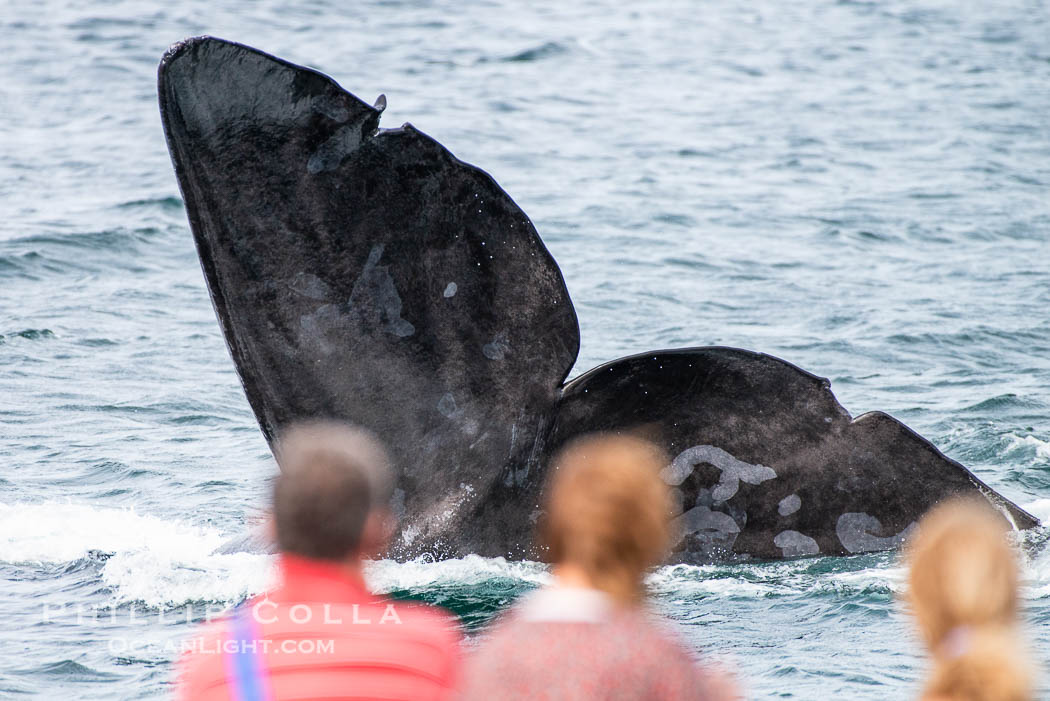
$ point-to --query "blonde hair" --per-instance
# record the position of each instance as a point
(962, 588)
(608, 512)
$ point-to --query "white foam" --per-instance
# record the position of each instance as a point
(1040, 509)
(388, 575)
(689, 580)
(892, 578)
(768, 579)
(63, 532)
(169, 562)
(1028, 444)
(1036, 570)
(156, 561)
(1036, 573)
(162, 580)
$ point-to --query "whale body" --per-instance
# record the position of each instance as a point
(367, 275)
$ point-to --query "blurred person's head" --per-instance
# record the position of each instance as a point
(608, 512)
(331, 500)
(963, 590)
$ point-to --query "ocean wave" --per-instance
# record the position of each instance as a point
(167, 563)
(1040, 508)
(1002, 403)
(118, 239)
(67, 670)
(52, 532)
(167, 203)
(877, 574)
(537, 53)
(28, 334)
(146, 559)
(163, 580)
(388, 575)
(1027, 447)
(59, 253)
(1036, 559)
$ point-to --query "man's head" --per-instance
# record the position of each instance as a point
(331, 500)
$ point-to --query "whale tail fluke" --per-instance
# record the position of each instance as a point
(367, 275)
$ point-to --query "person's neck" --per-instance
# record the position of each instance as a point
(569, 575)
(353, 567)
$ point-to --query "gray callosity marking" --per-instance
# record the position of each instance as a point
(733, 471)
(332, 107)
(312, 326)
(710, 528)
(795, 544)
(447, 406)
(450, 290)
(789, 505)
(397, 504)
(497, 348)
(332, 152)
(375, 297)
(856, 532)
(311, 286)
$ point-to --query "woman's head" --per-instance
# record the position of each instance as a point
(963, 572)
(608, 512)
(962, 587)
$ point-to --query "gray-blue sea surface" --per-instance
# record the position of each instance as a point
(860, 188)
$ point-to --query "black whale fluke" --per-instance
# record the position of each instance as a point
(368, 275)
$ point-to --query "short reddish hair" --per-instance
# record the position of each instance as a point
(609, 512)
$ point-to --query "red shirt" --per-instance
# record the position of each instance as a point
(322, 635)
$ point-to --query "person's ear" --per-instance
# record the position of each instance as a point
(377, 532)
(268, 529)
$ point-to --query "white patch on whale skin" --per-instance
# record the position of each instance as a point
(522, 474)
(314, 327)
(854, 531)
(338, 146)
(375, 299)
(498, 347)
(331, 107)
(733, 471)
(677, 500)
(789, 505)
(707, 531)
(309, 285)
(451, 290)
(447, 406)
(795, 544)
(409, 534)
(425, 525)
(397, 504)
(710, 528)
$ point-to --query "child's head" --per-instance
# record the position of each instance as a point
(608, 512)
(962, 587)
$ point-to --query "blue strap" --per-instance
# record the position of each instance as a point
(245, 669)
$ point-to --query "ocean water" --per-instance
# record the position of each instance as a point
(861, 188)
